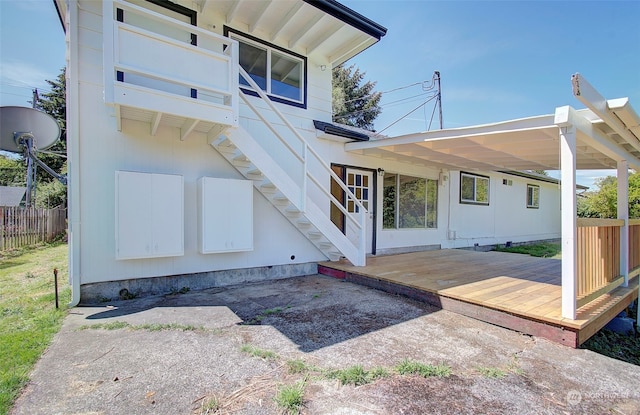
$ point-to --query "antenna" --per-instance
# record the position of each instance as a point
(26, 131)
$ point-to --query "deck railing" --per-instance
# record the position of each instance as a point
(598, 256)
(634, 247)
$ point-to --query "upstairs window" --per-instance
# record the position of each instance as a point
(278, 72)
(533, 196)
(474, 189)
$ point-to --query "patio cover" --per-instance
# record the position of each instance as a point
(523, 144)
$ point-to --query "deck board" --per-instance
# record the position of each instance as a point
(520, 285)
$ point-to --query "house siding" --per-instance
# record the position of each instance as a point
(507, 217)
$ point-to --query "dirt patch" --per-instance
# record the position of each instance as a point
(198, 364)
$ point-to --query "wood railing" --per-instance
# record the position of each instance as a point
(22, 227)
(634, 247)
(598, 258)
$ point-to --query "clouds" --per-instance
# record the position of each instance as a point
(24, 74)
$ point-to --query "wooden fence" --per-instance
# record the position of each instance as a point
(28, 226)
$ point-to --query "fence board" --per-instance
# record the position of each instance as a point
(28, 226)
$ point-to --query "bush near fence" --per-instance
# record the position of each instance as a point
(21, 226)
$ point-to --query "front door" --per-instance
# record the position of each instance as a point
(360, 182)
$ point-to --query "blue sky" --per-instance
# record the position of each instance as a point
(498, 60)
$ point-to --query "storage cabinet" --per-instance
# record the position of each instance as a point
(149, 215)
(225, 210)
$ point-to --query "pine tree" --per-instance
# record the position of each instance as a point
(354, 104)
(54, 104)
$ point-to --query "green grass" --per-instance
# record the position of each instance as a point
(615, 345)
(290, 398)
(411, 367)
(118, 325)
(28, 317)
(492, 372)
(258, 352)
(543, 250)
(357, 375)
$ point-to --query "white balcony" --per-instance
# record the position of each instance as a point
(163, 71)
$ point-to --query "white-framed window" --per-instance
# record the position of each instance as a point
(474, 189)
(409, 202)
(533, 196)
(278, 72)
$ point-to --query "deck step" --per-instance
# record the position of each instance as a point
(240, 158)
(325, 245)
(315, 235)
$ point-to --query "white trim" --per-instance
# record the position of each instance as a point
(623, 213)
(569, 221)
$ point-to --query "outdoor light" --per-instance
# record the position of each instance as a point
(380, 171)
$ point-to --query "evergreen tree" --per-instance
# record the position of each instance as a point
(54, 104)
(354, 104)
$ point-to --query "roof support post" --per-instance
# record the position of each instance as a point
(623, 213)
(569, 221)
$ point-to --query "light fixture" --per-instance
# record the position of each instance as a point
(323, 67)
(380, 171)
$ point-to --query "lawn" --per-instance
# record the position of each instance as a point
(542, 250)
(28, 317)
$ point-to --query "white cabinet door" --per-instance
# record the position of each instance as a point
(226, 215)
(149, 215)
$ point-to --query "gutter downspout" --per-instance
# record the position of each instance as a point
(73, 153)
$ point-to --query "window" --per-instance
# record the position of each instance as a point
(409, 202)
(281, 74)
(533, 196)
(474, 189)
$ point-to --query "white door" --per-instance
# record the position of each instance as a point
(360, 182)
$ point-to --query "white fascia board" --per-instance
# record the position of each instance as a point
(524, 124)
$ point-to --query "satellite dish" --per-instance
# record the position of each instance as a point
(18, 122)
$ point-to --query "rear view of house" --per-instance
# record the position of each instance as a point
(202, 152)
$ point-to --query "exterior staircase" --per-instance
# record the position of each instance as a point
(290, 195)
(250, 159)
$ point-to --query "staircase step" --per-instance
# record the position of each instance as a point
(315, 235)
(224, 144)
(293, 211)
(303, 223)
(268, 187)
(334, 256)
(280, 198)
(241, 158)
(254, 172)
(325, 245)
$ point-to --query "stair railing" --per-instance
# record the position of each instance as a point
(307, 151)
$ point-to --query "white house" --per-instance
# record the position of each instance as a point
(201, 152)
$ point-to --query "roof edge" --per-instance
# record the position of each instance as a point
(59, 12)
(539, 177)
(349, 16)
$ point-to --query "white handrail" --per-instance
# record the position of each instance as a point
(307, 149)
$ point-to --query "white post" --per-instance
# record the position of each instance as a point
(569, 222)
(623, 213)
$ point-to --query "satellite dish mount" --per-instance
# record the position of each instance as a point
(25, 131)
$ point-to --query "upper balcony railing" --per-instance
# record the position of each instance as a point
(157, 63)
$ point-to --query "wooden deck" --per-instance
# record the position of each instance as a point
(519, 292)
